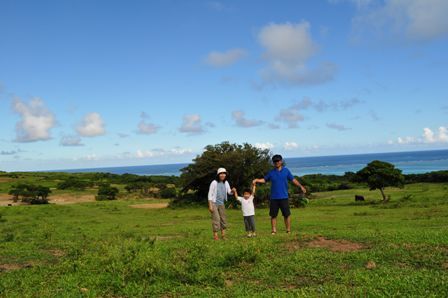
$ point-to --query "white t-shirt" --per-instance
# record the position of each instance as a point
(247, 205)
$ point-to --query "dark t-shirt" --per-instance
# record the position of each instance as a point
(279, 183)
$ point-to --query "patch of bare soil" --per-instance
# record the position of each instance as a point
(330, 244)
(12, 267)
(56, 253)
(335, 245)
(61, 199)
(70, 199)
(150, 206)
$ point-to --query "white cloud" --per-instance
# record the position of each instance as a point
(336, 126)
(162, 152)
(358, 3)
(414, 20)
(428, 137)
(192, 124)
(146, 127)
(92, 125)
(71, 141)
(322, 106)
(221, 59)
(288, 50)
(264, 146)
(290, 146)
(406, 140)
(36, 120)
(241, 121)
(290, 117)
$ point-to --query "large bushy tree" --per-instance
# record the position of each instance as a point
(29, 193)
(379, 175)
(243, 163)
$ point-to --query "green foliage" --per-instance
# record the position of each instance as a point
(299, 201)
(434, 177)
(379, 174)
(243, 163)
(74, 183)
(168, 193)
(106, 192)
(29, 193)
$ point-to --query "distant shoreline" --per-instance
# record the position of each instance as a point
(411, 162)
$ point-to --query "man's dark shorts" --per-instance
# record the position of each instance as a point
(282, 204)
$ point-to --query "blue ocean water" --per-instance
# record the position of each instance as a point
(409, 162)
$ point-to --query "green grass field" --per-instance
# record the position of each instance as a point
(108, 249)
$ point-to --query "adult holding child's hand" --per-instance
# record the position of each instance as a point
(279, 177)
(217, 195)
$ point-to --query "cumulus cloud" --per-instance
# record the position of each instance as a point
(290, 146)
(413, 20)
(36, 120)
(264, 146)
(242, 121)
(162, 152)
(322, 106)
(428, 137)
(290, 117)
(336, 126)
(192, 125)
(146, 128)
(92, 125)
(222, 59)
(71, 141)
(288, 48)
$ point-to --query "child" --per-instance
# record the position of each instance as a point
(247, 206)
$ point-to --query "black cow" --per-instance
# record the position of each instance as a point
(359, 198)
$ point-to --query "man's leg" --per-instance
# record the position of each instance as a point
(274, 224)
(273, 212)
(288, 224)
(286, 212)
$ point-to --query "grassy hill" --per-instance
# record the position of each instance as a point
(337, 248)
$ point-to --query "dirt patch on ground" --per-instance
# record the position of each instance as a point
(70, 199)
(330, 244)
(335, 245)
(60, 199)
(11, 267)
(56, 253)
(150, 206)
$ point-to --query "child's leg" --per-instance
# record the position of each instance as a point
(252, 223)
(247, 224)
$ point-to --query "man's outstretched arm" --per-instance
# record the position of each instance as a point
(297, 183)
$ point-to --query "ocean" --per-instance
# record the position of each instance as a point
(409, 162)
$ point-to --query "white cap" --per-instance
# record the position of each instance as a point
(221, 170)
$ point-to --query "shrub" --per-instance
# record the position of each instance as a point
(106, 192)
(168, 193)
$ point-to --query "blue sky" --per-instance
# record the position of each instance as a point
(112, 83)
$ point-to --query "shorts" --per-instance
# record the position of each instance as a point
(282, 204)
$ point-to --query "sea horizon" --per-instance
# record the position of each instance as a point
(410, 162)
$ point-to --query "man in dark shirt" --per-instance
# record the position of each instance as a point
(279, 177)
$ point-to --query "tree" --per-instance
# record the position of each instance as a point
(379, 175)
(33, 194)
(106, 192)
(243, 163)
